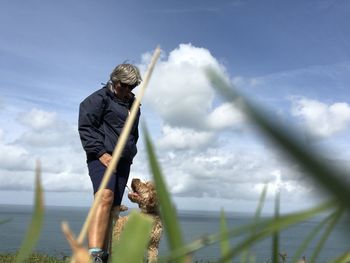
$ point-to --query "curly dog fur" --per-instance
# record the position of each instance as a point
(144, 194)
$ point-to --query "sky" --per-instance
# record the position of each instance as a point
(291, 57)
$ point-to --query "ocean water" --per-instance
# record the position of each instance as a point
(194, 224)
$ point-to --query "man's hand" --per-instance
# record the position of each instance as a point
(105, 159)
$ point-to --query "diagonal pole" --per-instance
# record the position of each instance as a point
(120, 145)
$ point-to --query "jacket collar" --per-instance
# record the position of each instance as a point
(113, 96)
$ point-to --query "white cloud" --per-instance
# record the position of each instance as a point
(321, 119)
(16, 180)
(225, 116)
(45, 129)
(180, 90)
(38, 119)
(184, 138)
(2, 135)
(233, 173)
(14, 158)
(51, 140)
(65, 134)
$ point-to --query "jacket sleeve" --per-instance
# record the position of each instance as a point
(89, 126)
(135, 130)
(136, 133)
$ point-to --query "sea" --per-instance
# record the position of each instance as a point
(194, 225)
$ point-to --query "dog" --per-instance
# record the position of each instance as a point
(144, 194)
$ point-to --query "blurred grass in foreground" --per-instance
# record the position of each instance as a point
(331, 181)
(34, 229)
(32, 258)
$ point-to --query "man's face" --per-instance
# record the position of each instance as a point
(124, 90)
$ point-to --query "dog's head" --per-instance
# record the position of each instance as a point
(144, 194)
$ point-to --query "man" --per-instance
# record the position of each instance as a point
(102, 116)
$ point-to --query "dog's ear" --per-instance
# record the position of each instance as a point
(152, 200)
(150, 185)
(151, 204)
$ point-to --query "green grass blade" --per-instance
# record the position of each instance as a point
(344, 258)
(33, 258)
(167, 209)
(246, 257)
(275, 235)
(261, 203)
(246, 254)
(326, 234)
(133, 240)
(252, 259)
(225, 243)
(297, 255)
(243, 245)
(268, 226)
(34, 229)
(328, 177)
(266, 232)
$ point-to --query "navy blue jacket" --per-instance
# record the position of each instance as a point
(101, 119)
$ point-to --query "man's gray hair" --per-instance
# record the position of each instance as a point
(126, 73)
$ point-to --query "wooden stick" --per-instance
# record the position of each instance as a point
(120, 145)
(80, 253)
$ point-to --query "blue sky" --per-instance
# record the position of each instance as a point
(293, 57)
